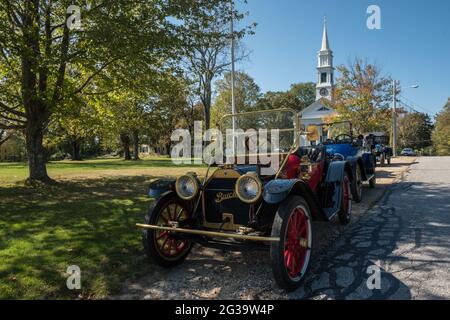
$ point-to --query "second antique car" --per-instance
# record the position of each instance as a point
(236, 207)
(340, 142)
(383, 152)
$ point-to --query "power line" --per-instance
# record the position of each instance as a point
(416, 104)
(407, 106)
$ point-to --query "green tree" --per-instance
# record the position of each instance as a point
(208, 56)
(441, 133)
(304, 94)
(415, 130)
(170, 111)
(298, 97)
(363, 95)
(45, 62)
(247, 94)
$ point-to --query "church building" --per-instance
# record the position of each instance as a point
(317, 112)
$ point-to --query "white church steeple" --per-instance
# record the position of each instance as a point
(325, 43)
(325, 69)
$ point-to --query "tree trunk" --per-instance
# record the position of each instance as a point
(126, 145)
(36, 153)
(76, 146)
(206, 100)
(207, 106)
(135, 145)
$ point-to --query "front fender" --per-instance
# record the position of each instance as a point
(278, 190)
(333, 187)
(160, 186)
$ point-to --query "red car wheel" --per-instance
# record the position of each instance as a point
(291, 255)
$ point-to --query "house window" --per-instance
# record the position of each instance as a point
(323, 77)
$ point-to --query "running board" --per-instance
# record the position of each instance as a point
(208, 233)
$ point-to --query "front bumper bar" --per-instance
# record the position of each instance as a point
(209, 233)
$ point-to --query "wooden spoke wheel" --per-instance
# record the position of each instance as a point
(165, 247)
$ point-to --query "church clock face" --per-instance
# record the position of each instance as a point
(323, 92)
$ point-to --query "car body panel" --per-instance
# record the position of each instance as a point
(159, 186)
(329, 199)
(333, 188)
(355, 155)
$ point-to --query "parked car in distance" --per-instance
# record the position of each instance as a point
(408, 152)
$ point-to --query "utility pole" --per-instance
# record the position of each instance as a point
(233, 101)
(394, 118)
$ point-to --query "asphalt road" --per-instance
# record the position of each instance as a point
(402, 227)
(407, 235)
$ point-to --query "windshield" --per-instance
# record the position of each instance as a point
(384, 140)
(261, 131)
(328, 132)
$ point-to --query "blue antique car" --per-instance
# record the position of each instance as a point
(246, 207)
(383, 152)
(340, 143)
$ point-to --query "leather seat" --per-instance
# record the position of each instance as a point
(314, 154)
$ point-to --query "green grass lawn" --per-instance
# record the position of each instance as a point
(86, 219)
(16, 172)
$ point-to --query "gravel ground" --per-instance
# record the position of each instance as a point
(215, 274)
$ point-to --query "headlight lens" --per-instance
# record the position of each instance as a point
(187, 187)
(249, 188)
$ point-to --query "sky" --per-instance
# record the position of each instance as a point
(412, 46)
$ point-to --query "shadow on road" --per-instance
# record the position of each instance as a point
(407, 242)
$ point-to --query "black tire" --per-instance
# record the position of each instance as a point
(373, 182)
(357, 185)
(154, 241)
(382, 159)
(345, 214)
(294, 208)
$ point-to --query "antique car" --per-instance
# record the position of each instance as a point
(339, 141)
(383, 152)
(237, 207)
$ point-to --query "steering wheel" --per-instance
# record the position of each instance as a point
(346, 138)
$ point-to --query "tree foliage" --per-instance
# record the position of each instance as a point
(298, 97)
(363, 95)
(415, 130)
(246, 93)
(441, 133)
(44, 63)
(209, 54)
